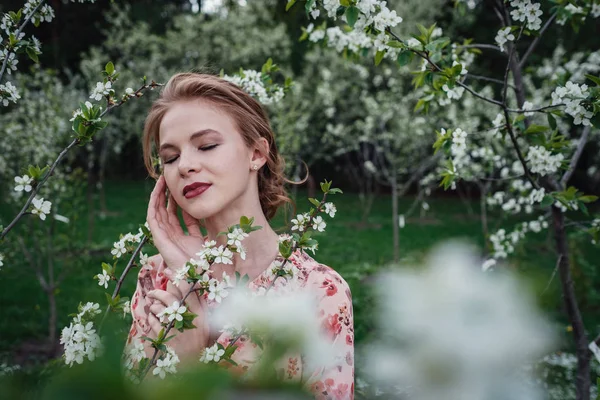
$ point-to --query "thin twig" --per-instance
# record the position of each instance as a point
(536, 41)
(553, 274)
(122, 277)
(59, 158)
(485, 78)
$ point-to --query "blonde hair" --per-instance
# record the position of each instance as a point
(249, 116)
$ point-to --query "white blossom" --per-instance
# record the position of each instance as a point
(103, 279)
(222, 255)
(180, 274)
(126, 308)
(213, 353)
(167, 364)
(23, 183)
(235, 237)
(299, 223)
(101, 90)
(144, 260)
(1, 259)
(319, 224)
(173, 312)
(528, 106)
(135, 353)
(504, 35)
(41, 207)
(330, 209)
(118, 249)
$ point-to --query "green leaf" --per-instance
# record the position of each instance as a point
(316, 202)
(593, 78)
(547, 201)
(551, 121)
(588, 198)
(110, 68)
(107, 267)
(405, 57)
(289, 4)
(308, 6)
(535, 129)
(352, 15)
(335, 191)
(32, 54)
(379, 57)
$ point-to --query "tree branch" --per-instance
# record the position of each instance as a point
(582, 142)
(536, 41)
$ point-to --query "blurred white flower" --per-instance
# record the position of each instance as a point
(452, 332)
(290, 317)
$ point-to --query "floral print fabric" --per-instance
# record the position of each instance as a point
(334, 311)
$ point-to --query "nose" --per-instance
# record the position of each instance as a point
(188, 163)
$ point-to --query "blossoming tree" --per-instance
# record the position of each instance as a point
(542, 127)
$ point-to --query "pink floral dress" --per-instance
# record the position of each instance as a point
(334, 311)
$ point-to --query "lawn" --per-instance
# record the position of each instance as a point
(356, 251)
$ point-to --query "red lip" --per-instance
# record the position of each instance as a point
(195, 189)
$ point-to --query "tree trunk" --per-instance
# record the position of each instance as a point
(583, 379)
(395, 225)
(312, 186)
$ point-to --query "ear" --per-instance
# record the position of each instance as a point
(258, 154)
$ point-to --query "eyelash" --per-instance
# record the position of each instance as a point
(205, 148)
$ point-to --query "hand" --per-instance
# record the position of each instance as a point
(190, 343)
(175, 247)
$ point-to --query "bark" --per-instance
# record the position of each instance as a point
(312, 186)
(395, 217)
(583, 380)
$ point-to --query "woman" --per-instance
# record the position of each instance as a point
(220, 162)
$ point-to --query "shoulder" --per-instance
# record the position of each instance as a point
(321, 278)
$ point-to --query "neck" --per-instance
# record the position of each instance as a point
(261, 245)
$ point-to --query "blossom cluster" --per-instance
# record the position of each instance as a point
(503, 243)
(120, 247)
(166, 364)
(542, 161)
(504, 35)
(11, 63)
(572, 96)
(80, 339)
(372, 13)
(526, 197)
(252, 82)
(527, 12)
(8, 93)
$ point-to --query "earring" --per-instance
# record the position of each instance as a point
(255, 167)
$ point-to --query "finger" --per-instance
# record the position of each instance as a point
(154, 324)
(172, 217)
(174, 290)
(192, 224)
(151, 216)
(163, 296)
(157, 309)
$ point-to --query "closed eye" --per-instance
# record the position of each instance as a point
(205, 148)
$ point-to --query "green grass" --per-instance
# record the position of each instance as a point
(355, 251)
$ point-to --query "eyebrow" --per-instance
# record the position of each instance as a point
(194, 135)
